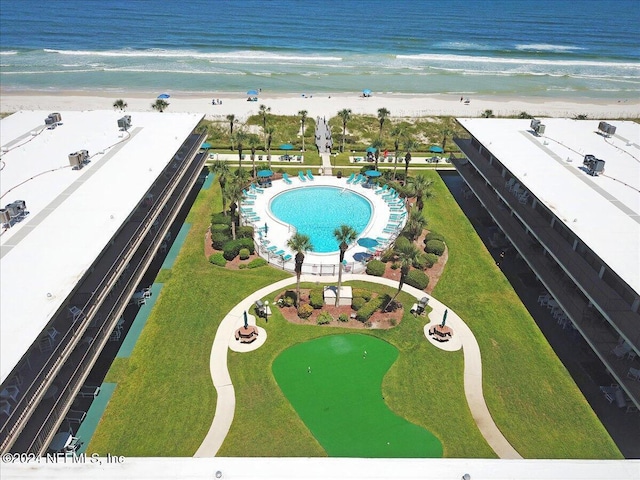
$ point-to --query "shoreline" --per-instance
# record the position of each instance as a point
(322, 105)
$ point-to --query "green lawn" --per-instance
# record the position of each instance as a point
(164, 402)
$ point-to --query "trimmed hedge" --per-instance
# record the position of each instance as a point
(221, 218)
(343, 317)
(435, 246)
(401, 242)
(232, 248)
(368, 309)
(433, 236)
(362, 293)
(431, 259)
(357, 303)
(244, 232)
(324, 318)
(421, 262)
(375, 268)
(220, 228)
(316, 298)
(244, 253)
(418, 279)
(218, 259)
(257, 262)
(218, 240)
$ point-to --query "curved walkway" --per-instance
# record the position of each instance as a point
(226, 404)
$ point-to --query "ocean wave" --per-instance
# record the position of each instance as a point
(211, 56)
(547, 47)
(435, 57)
(8, 52)
(463, 46)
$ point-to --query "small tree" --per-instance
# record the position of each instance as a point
(345, 235)
(120, 104)
(160, 105)
(345, 115)
(487, 114)
(408, 145)
(263, 112)
(221, 169)
(303, 121)
(232, 121)
(397, 134)
(407, 254)
(269, 132)
(383, 113)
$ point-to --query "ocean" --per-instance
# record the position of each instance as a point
(562, 48)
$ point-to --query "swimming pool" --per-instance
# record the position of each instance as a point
(318, 211)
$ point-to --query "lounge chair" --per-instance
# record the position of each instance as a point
(301, 176)
(287, 257)
(358, 179)
(256, 189)
(248, 194)
(351, 178)
(279, 253)
(309, 174)
(272, 248)
(248, 202)
(634, 373)
(286, 178)
(382, 190)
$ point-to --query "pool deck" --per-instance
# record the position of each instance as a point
(279, 232)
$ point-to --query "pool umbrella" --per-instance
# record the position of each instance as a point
(372, 173)
(371, 149)
(366, 92)
(361, 256)
(286, 146)
(206, 146)
(367, 242)
(252, 93)
(436, 149)
(265, 173)
(164, 96)
(246, 321)
(444, 317)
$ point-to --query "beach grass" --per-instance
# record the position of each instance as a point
(165, 400)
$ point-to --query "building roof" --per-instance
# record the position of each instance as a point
(72, 213)
(604, 210)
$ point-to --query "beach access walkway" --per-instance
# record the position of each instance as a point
(226, 402)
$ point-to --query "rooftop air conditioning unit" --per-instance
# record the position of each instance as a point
(53, 119)
(606, 129)
(537, 126)
(5, 216)
(125, 122)
(16, 209)
(78, 159)
(594, 165)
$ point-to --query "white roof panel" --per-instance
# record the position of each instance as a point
(72, 213)
(604, 210)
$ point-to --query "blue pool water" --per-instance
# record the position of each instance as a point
(318, 211)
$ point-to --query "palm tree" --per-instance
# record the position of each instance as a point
(269, 132)
(253, 143)
(303, 121)
(407, 253)
(233, 194)
(120, 104)
(396, 133)
(345, 235)
(300, 244)
(263, 111)
(240, 137)
(422, 189)
(345, 115)
(383, 113)
(377, 144)
(446, 133)
(415, 225)
(160, 105)
(232, 120)
(408, 145)
(487, 114)
(221, 169)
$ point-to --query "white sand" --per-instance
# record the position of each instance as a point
(325, 105)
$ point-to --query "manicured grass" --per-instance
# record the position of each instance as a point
(335, 384)
(164, 402)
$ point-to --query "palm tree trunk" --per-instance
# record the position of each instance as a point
(298, 274)
(303, 137)
(339, 284)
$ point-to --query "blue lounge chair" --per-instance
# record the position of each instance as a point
(382, 190)
(351, 178)
(310, 175)
(287, 257)
(286, 178)
(301, 176)
(272, 248)
(279, 253)
(358, 179)
(248, 202)
(256, 189)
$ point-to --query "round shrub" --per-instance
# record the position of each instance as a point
(218, 240)
(431, 259)
(343, 317)
(368, 309)
(433, 236)
(375, 268)
(220, 228)
(221, 218)
(244, 253)
(324, 318)
(387, 255)
(316, 298)
(418, 279)
(244, 232)
(289, 298)
(361, 292)
(421, 261)
(435, 246)
(305, 310)
(402, 242)
(232, 248)
(217, 259)
(357, 303)
(257, 262)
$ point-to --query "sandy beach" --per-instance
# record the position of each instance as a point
(400, 105)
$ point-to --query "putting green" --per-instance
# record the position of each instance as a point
(336, 388)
